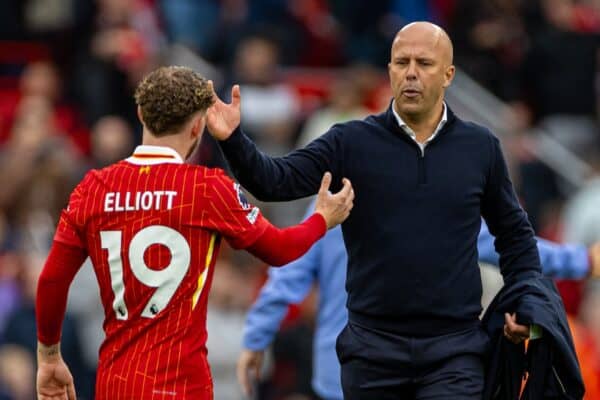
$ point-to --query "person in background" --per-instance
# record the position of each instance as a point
(344, 102)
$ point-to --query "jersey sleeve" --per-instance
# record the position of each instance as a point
(70, 225)
(53, 287)
(229, 212)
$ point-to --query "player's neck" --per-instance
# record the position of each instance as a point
(176, 142)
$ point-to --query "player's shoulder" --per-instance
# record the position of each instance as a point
(101, 176)
(95, 176)
(200, 173)
(124, 166)
(210, 178)
(91, 178)
(217, 185)
(212, 171)
(99, 173)
(218, 178)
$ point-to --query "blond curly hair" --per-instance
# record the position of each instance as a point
(169, 96)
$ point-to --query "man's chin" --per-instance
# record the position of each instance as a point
(410, 108)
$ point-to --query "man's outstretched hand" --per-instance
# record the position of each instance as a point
(222, 118)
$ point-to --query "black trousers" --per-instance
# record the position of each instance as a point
(382, 366)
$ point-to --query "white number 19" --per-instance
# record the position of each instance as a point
(167, 280)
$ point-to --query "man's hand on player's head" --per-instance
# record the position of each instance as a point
(223, 118)
(335, 208)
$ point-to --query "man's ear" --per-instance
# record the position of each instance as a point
(449, 76)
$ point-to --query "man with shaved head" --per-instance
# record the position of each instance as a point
(423, 178)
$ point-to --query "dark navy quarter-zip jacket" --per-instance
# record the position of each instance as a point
(412, 234)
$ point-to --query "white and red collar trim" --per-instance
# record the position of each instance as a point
(151, 155)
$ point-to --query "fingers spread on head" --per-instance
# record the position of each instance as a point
(235, 95)
(214, 94)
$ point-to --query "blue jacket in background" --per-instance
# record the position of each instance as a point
(562, 261)
(325, 264)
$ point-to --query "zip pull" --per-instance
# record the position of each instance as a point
(421, 147)
(421, 179)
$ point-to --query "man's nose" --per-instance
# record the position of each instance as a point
(411, 72)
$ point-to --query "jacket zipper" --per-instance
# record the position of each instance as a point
(421, 166)
(421, 178)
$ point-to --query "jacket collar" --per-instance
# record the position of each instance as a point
(392, 123)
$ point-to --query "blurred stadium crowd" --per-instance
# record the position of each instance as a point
(68, 69)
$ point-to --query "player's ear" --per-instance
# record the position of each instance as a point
(198, 125)
(139, 114)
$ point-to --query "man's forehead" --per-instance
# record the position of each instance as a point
(423, 41)
(424, 46)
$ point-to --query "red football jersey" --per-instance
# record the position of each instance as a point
(152, 227)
